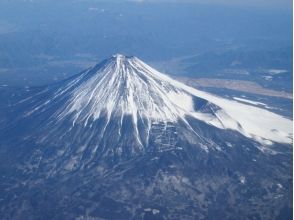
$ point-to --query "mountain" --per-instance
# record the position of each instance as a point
(124, 141)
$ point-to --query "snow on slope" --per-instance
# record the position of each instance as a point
(128, 86)
(123, 87)
(249, 101)
(262, 125)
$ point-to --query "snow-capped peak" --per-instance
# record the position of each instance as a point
(119, 56)
(125, 86)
